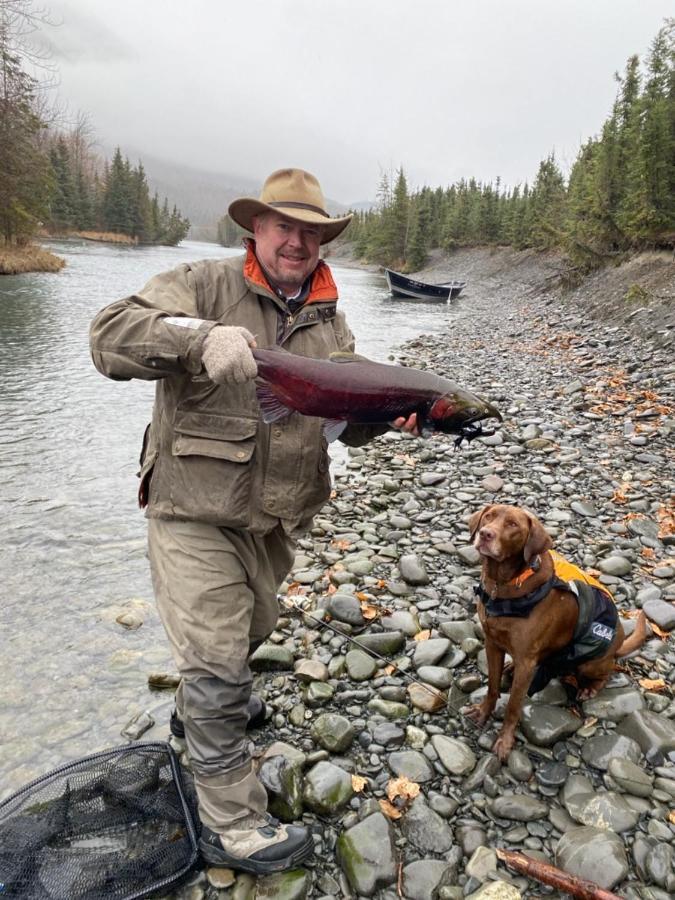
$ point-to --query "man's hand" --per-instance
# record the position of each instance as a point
(227, 355)
(409, 425)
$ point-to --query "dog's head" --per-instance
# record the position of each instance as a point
(503, 532)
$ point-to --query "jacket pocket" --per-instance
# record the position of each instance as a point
(212, 467)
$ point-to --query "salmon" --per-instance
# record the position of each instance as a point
(350, 389)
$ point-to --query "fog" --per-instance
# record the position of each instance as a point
(349, 88)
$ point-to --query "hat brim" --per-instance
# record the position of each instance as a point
(243, 210)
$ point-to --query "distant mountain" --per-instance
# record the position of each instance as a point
(200, 195)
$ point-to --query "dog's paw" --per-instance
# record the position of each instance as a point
(478, 713)
(503, 746)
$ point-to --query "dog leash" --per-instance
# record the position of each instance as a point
(290, 604)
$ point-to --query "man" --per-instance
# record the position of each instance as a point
(224, 492)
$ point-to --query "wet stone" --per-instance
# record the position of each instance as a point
(495, 890)
(386, 643)
(455, 756)
(333, 732)
(576, 792)
(614, 704)
(661, 612)
(388, 735)
(412, 569)
(615, 565)
(327, 788)
(426, 698)
(292, 885)
(520, 807)
(388, 708)
(428, 653)
(598, 750)
(319, 693)
(552, 774)
(401, 620)
(609, 810)
(422, 878)
(412, 765)
(425, 829)
(270, 658)
(307, 670)
(283, 782)
(346, 608)
(544, 725)
(438, 676)
(659, 864)
(630, 777)
(520, 765)
(652, 732)
(594, 854)
(367, 855)
(360, 666)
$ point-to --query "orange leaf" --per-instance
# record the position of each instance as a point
(331, 589)
(401, 787)
(671, 817)
(652, 684)
(659, 631)
(370, 612)
(295, 589)
(648, 553)
(422, 635)
(340, 544)
(389, 810)
(358, 783)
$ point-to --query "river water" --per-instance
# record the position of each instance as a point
(72, 556)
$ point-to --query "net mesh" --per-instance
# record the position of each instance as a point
(116, 825)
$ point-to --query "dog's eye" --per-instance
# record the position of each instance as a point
(510, 524)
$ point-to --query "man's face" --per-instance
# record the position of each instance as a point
(288, 250)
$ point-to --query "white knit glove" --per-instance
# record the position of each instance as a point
(227, 355)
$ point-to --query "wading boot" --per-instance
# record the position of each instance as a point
(256, 717)
(257, 844)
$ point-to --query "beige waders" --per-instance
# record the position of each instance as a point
(216, 591)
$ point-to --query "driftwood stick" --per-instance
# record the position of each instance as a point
(557, 878)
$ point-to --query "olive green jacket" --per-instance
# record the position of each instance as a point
(207, 455)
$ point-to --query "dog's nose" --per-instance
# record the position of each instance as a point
(486, 533)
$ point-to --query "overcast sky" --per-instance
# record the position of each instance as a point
(347, 88)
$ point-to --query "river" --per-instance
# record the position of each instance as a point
(73, 552)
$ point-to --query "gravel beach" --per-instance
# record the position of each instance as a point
(365, 742)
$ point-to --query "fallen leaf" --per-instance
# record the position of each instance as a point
(648, 553)
(370, 612)
(358, 783)
(591, 720)
(389, 810)
(659, 631)
(401, 787)
(671, 817)
(340, 544)
(295, 589)
(652, 684)
(422, 635)
(331, 589)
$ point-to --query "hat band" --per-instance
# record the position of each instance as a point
(294, 205)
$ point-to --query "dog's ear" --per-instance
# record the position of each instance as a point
(474, 521)
(538, 539)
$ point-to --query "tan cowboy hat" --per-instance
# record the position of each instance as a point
(293, 193)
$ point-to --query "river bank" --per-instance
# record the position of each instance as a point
(402, 792)
(31, 258)
(639, 293)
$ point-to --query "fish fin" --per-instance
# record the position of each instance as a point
(333, 428)
(271, 407)
(343, 356)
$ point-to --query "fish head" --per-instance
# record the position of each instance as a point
(455, 411)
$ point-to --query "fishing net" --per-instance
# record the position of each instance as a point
(116, 825)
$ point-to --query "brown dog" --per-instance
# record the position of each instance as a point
(527, 611)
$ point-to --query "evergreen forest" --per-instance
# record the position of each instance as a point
(619, 195)
(51, 177)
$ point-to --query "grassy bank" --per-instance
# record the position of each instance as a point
(31, 258)
(106, 237)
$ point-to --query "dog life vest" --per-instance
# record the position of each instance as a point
(596, 624)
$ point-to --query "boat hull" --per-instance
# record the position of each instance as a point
(401, 286)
